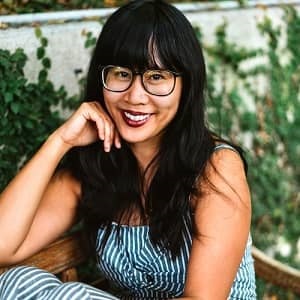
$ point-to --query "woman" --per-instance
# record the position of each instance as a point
(164, 201)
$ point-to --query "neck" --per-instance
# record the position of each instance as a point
(144, 152)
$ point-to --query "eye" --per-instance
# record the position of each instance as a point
(121, 74)
(154, 75)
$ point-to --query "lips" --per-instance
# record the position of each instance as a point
(135, 119)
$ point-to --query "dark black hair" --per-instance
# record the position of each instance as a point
(112, 183)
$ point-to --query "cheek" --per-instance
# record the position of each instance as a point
(110, 100)
(107, 97)
(109, 106)
(172, 103)
(176, 96)
(169, 110)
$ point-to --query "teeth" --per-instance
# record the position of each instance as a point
(136, 118)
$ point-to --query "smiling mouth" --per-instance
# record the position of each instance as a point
(135, 119)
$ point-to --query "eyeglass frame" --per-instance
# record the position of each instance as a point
(134, 74)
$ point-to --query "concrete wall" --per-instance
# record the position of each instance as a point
(66, 40)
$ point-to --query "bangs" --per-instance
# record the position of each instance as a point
(146, 41)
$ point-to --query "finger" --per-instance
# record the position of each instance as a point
(117, 139)
(107, 136)
(100, 126)
(100, 118)
(88, 113)
(99, 122)
(112, 133)
(107, 131)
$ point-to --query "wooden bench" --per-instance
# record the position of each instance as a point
(65, 255)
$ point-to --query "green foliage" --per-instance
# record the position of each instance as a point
(29, 111)
(90, 40)
(260, 103)
(26, 6)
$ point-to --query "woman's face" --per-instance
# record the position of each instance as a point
(139, 116)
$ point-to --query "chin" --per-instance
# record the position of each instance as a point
(134, 140)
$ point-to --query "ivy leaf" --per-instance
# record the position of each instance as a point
(15, 107)
(43, 75)
(8, 97)
(40, 52)
(38, 32)
(44, 42)
(29, 124)
(46, 63)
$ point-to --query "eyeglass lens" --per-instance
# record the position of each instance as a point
(157, 82)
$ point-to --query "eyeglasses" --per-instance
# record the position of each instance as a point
(155, 82)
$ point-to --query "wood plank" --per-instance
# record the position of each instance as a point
(61, 255)
(276, 272)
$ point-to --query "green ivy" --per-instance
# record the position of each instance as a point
(272, 124)
(29, 111)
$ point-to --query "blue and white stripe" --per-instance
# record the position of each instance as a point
(141, 270)
(138, 267)
(30, 283)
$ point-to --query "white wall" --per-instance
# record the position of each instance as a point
(66, 41)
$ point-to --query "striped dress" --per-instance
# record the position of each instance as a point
(136, 268)
(140, 270)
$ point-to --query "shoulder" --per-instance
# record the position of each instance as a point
(225, 178)
(226, 159)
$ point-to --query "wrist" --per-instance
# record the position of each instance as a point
(58, 144)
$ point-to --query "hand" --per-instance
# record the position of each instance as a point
(89, 123)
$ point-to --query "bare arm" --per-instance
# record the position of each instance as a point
(37, 206)
(223, 220)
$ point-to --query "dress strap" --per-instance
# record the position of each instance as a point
(225, 146)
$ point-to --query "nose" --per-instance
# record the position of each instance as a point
(136, 94)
